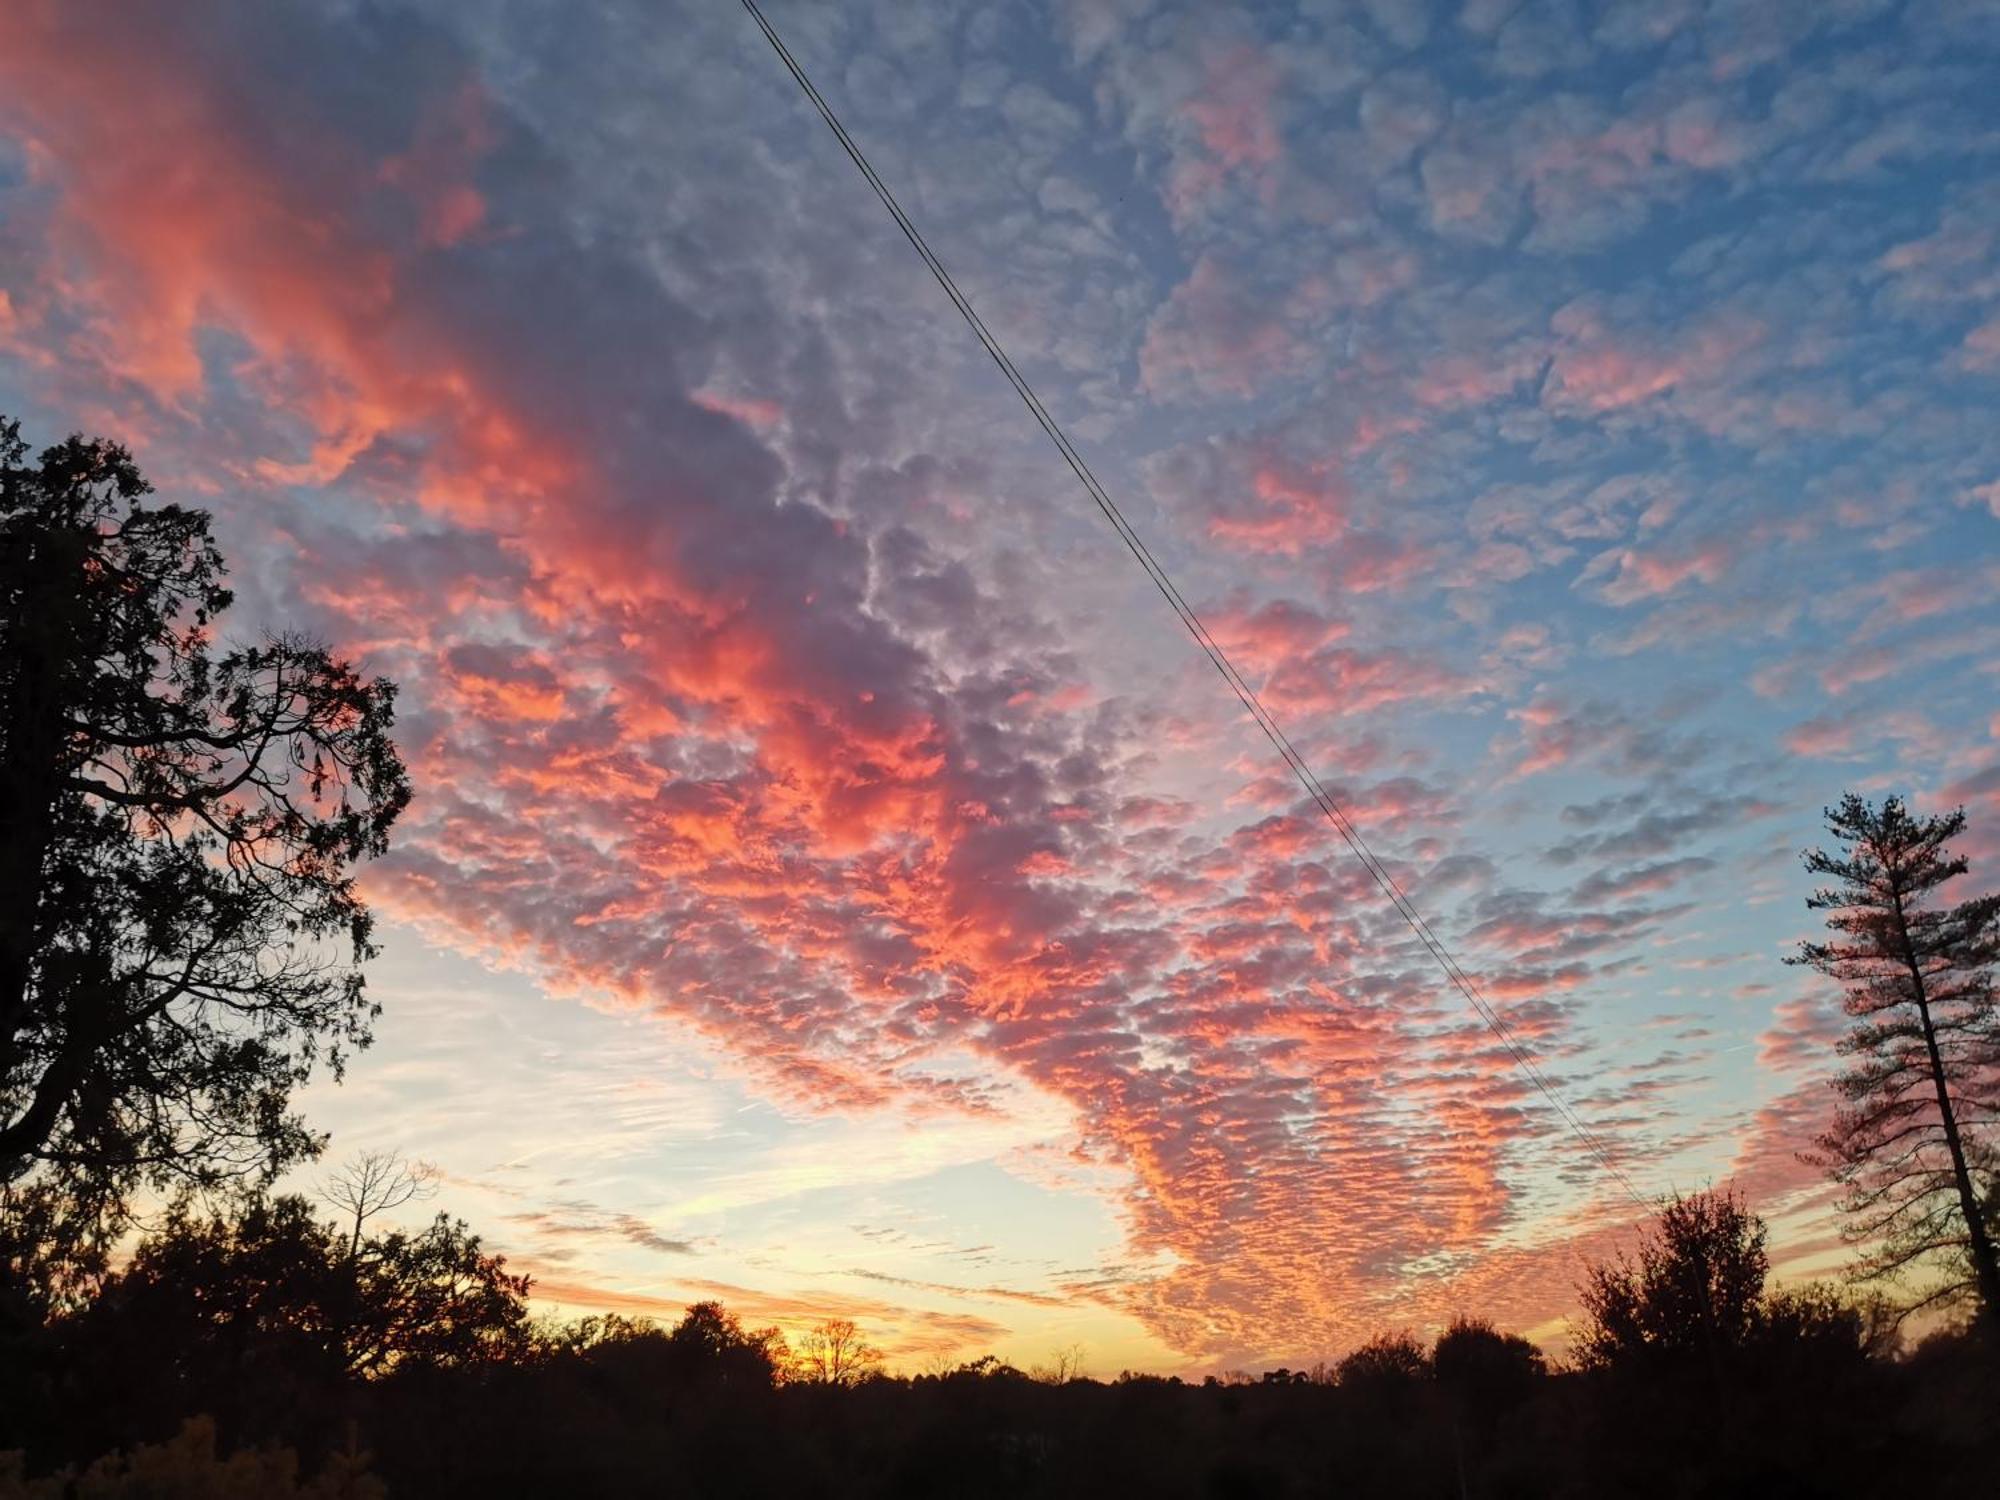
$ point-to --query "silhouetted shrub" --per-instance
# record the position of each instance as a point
(187, 1468)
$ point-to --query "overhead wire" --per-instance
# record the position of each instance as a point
(1454, 972)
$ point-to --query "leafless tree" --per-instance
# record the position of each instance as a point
(1065, 1365)
(376, 1182)
(834, 1353)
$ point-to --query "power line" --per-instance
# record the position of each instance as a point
(1453, 971)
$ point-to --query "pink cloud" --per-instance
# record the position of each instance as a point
(1982, 346)
(1553, 738)
(1463, 380)
(1262, 639)
(1638, 575)
(1233, 109)
(1597, 371)
(1827, 737)
(436, 171)
(1980, 789)
(1290, 510)
(1801, 1038)
(1470, 192)
(1214, 336)
(1696, 135)
(1766, 1167)
(1949, 246)
(1233, 116)
(1338, 679)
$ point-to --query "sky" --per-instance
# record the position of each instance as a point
(834, 885)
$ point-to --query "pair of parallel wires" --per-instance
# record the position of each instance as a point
(1453, 971)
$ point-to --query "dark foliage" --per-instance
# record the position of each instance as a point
(1696, 1380)
(180, 931)
(188, 1467)
(270, 1321)
(1689, 1366)
(1693, 1297)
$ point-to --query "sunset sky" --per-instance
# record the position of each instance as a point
(835, 885)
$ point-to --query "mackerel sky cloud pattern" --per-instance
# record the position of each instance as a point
(832, 881)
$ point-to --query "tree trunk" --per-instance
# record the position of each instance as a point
(30, 781)
(1985, 1268)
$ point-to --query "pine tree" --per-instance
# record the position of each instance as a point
(1914, 1134)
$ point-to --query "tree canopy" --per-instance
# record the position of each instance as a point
(1695, 1290)
(180, 931)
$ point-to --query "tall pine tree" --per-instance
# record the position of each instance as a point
(1912, 1142)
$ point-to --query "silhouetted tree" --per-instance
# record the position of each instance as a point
(711, 1340)
(555, 1338)
(1696, 1288)
(433, 1297)
(264, 1317)
(1696, 1380)
(1061, 1367)
(834, 1353)
(986, 1367)
(180, 931)
(1814, 1328)
(1486, 1378)
(49, 1261)
(376, 1182)
(1915, 1132)
(53, 1255)
(1486, 1371)
(1388, 1359)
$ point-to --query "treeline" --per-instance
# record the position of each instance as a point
(273, 1351)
